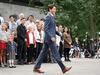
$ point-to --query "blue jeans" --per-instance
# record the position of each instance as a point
(75, 48)
(43, 53)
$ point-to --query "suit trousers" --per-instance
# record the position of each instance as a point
(43, 53)
(22, 48)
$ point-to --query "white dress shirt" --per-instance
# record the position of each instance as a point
(37, 36)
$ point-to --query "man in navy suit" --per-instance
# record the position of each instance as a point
(49, 41)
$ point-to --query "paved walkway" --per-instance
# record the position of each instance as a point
(80, 66)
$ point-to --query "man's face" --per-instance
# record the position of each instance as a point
(60, 28)
(21, 16)
(23, 21)
(30, 18)
(37, 23)
(39, 27)
(11, 19)
(53, 10)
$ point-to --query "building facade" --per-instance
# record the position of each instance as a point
(7, 9)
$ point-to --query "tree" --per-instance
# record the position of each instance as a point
(80, 16)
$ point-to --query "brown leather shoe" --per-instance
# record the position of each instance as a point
(37, 70)
(66, 69)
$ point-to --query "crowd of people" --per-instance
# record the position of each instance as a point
(23, 40)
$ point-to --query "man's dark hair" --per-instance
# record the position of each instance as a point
(11, 16)
(22, 19)
(50, 6)
(31, 16)
(59, 25)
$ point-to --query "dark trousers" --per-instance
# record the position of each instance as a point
(38, 48)
(30, 51)
(66, 52)
(22, 48)
(61, 49)
(44, 52)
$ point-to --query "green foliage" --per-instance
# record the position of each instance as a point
(80, 16)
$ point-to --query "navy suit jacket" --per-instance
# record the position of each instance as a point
(49, 28)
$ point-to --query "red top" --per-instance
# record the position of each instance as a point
(28, 42)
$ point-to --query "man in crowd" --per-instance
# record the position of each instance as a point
(18, 22)
(12, 24)
(37, 22)
(76, 46)
(30, 22)
(61, 41)
(22, 39)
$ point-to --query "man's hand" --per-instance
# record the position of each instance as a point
(15, 53)
(56, 44)
(69, 43)
(25, 40)
(60, 34)
(53, 39)
(8, 54)
(28, 46)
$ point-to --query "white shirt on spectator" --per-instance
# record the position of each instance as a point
(33, 25)
(37, 36)
(31, 38)
(58, 40)
(2, 20)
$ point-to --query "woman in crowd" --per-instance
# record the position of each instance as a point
(39, 34)
(67, 43)
(3, 42)
(31, 44)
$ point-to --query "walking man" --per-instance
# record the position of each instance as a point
(50, 41)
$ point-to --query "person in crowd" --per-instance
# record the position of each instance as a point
(67, 43)
(39, 34)
(21, 40)
(49, 42)
(3, 42)
(91, 44)
(1, 20)
(18, 22)
(42, 24)
(7, 29)
(57, 39)
(61, 41)
(76, 46)
(37, 22)
(98, 42)
(14, 33)
(83, 48)
(31, 44)
(12, 24)
(11, 51)
(95, 48)
(30, 22)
